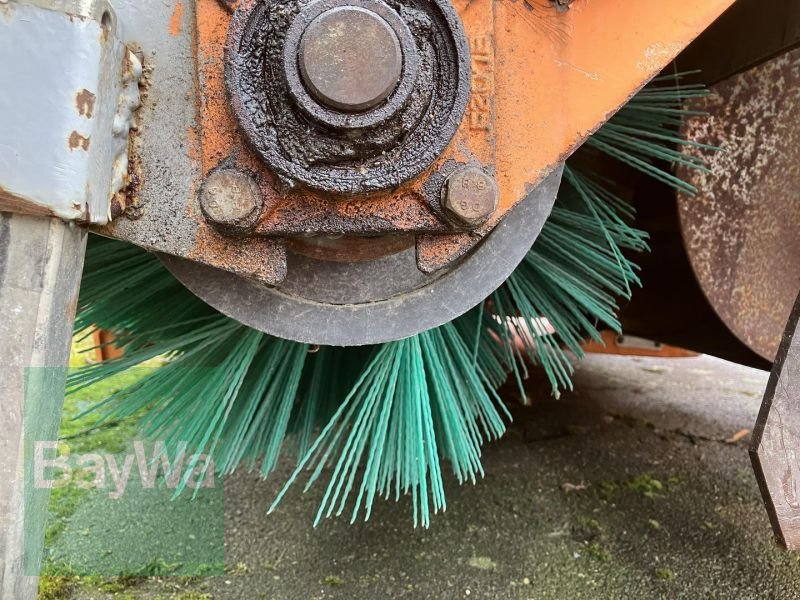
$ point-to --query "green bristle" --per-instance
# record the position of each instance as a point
(417, 399)
(646, 129)
(388, 414)
(126, 289)
(571, 277)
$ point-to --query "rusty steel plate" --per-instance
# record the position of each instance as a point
(742, 231)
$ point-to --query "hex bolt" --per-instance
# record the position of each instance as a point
(469, 197)
(230, 200)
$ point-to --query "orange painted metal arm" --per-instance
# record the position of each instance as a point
(561, 74)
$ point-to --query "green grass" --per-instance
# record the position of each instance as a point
(82, 434)
(79, 434)
(56, 587)
(123, 587)
(78, 431)
(663, 573)
(645, 484)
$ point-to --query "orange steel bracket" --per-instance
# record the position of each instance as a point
(560, 75)
(543, 79)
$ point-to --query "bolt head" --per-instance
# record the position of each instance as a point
(470, 197)
(230, 199)
(350, 58)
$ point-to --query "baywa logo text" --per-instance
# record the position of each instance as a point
(55, 466)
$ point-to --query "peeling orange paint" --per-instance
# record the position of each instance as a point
(175, 20)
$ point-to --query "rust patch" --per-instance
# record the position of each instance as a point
(295, 211)
(105, 27)
(76, 141)
(14, 203)
(350, 248)
(740, 231)
(260, 258)
(126, 202)
(303, 211)
(71, 308)
(176, 20)
(119, 203)
(127, 64)
(435, 252)
(85, 102)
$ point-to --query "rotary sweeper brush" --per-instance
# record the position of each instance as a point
(234, 392)
(342, 223)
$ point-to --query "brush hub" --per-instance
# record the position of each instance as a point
(379, 213)
(348, 96)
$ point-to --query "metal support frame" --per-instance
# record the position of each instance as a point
(65, 130)
(64, 155)
(40, 271)
(775, 449)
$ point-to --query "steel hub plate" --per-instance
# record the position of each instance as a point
(352, 304)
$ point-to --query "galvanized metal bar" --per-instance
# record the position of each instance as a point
(40, 271)
(71, 90)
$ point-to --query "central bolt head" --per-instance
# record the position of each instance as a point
(350, 59)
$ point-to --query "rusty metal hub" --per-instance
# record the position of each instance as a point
(350, 59)
(375, 301)
(347, 97)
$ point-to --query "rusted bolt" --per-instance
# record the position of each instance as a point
(469, 196)
(350, 58)
(230, 200)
